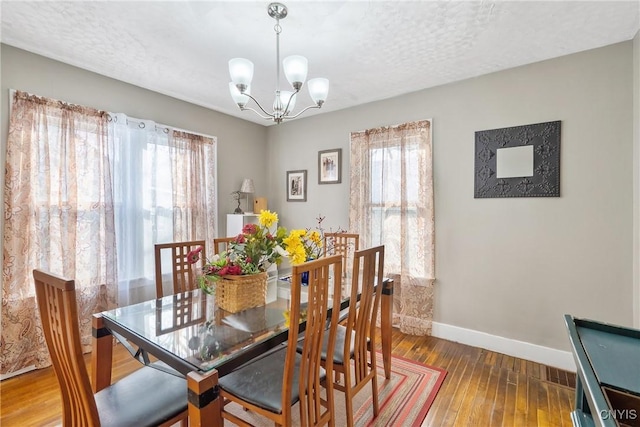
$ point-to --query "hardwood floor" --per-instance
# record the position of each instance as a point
(482, 388)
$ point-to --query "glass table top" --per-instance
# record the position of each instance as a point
(190, 326)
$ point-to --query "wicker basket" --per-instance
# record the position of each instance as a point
(237, 293)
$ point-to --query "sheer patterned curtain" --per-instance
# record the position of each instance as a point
(193, 173)
(87, 195)
(58, 217)
(392, 204)
(164, 191)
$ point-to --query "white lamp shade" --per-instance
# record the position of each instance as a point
(247, 186)
(241, 71)
(284, 98)
(295, 68)
(318, 90)
(239, 98)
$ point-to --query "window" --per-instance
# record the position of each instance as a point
(87, 194)
(392, 204)
(164, 191)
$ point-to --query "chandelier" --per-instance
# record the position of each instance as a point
(295, 69)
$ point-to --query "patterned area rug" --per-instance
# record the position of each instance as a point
(404, 399)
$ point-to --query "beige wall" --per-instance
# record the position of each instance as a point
(241, 144)
(506, 267)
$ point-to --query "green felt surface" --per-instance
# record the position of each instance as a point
(615, 358)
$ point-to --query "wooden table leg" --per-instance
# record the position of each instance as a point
(385, 325)
(205, 408)
(101, 354)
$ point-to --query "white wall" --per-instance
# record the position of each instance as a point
(241, 144)
(505, 267)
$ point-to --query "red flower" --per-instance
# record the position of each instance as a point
(250, 229)
(240, 238)
(194, 255)
(269, 236)
(230, 270)
(234, 269)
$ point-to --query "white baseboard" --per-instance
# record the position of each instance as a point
(524, 350)
(21, 371)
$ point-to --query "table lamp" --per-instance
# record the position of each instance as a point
(247, 188)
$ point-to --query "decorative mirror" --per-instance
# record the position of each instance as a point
(520, 161)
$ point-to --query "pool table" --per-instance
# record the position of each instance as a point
(608, 373)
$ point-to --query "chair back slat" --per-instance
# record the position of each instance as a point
(58, 310)
(221, 244)
(325, 283)
(184, 274)
(368, 272)
(344, 244)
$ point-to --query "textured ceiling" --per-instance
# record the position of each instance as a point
(369, 50)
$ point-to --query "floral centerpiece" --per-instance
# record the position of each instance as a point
(252, 251)
(232, 273)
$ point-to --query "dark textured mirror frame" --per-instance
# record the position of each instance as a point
(545, 182)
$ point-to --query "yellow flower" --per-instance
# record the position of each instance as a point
(297, 254)
(303, 245)
(287, 319)
(290, 241)
(315, 237)
(297, 234)
(267, 218)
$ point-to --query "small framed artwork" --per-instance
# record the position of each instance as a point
(297, 186)
(330, 166)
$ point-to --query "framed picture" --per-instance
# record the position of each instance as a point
(330, 166)
(297, 186)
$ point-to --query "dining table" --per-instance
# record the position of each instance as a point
(187, 334)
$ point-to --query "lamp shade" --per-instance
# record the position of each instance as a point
(295, 68)
(285, 95)
(318, 90)
(247, 186)
(238, 97)
(241, 71)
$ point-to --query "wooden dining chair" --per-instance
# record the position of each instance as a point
(344, 244)
(221, 244)
(184, 274)
(272, 384)
(360, 326)
(147, 397)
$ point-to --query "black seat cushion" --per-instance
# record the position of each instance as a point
(147, 397)
(260, 382)
(338, 357)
